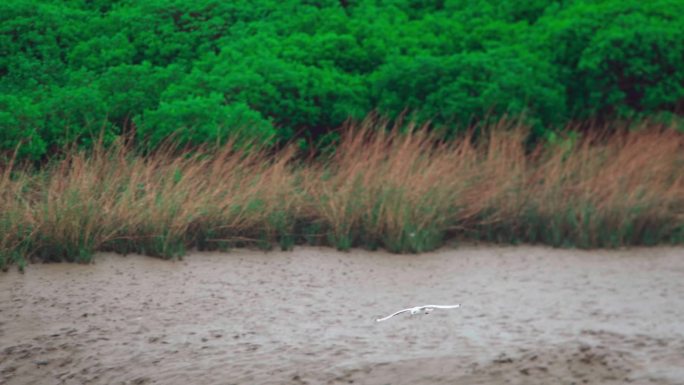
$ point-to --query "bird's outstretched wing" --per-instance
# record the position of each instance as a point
(392, 315)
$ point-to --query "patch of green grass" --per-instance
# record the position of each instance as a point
(341, 239)
(413, 239)
(281, 226)
(166, 245)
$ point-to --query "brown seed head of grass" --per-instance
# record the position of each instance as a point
(396, 186)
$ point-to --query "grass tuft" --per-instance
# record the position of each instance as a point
(400, 188)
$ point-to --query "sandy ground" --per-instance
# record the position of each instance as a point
(529, 315)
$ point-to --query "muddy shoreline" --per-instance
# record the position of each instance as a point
(530, 315)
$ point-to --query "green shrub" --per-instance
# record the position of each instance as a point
(299, 69)
(460, 89)
(198, 120)
(618, 58)
(20, 123)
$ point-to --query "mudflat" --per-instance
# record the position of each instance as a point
(529, 315)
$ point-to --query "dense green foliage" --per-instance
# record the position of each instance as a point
(282, 69)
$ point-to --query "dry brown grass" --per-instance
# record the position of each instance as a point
(14, 230)
(625, 188)
(391, 189)
(403, 189)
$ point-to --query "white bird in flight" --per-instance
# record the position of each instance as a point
(415, 310)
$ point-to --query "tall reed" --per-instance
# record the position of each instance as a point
(401, 188)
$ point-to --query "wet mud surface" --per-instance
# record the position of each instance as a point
(529, 315)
